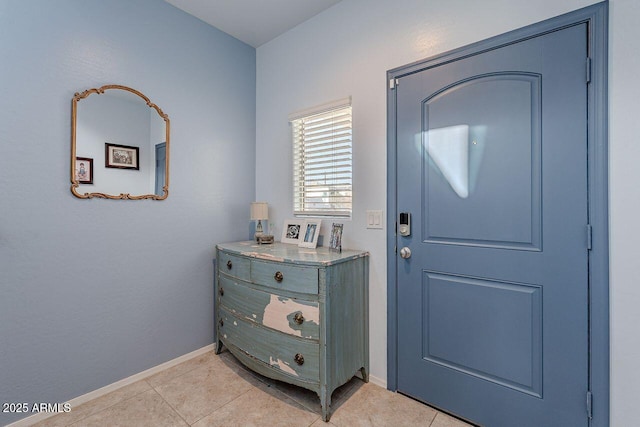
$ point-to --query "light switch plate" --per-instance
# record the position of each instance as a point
(374, 219)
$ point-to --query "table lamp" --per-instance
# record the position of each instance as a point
(259, 211)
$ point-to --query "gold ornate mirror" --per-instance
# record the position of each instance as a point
(119, 145)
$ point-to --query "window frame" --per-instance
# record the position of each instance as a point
(322, 145)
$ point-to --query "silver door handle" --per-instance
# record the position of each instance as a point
(405, 253)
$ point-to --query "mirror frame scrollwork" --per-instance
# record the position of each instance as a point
(77, 97)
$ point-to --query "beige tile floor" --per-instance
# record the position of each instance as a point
(213, 390)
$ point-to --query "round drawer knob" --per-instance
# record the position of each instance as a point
(299, 359)
(298, 318)
(221, 292)
(278, 276)
(229, 265)
(221, 322)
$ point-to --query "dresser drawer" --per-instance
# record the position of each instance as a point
(293, 356)
(285, 276)
(292, 316)
(234, 265)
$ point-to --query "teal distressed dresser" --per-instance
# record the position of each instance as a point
(294, 314)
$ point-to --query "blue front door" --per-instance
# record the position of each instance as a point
(492, 168)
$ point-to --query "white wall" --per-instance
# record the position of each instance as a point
(347, 50)
(624, 205)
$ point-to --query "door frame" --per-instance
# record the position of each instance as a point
(596, 16)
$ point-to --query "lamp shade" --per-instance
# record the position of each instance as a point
(259, 210)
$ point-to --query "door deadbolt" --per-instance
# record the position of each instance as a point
(404, 228)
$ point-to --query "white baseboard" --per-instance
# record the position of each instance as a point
(24, 422)
(377, 381)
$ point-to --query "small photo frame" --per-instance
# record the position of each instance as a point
(310, 233)
(335, 242)
(291, 231)
(84, 170)
(121, 156)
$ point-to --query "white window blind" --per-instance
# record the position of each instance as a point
(322, 173)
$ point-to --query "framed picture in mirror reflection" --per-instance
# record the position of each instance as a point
(121, 156)
(84, 170)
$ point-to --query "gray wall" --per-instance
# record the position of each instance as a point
(93, 291)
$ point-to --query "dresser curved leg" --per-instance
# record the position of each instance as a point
(365, 374)
(325, 402)
(218, 347)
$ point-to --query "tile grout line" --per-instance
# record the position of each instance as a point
(178, 412)
(110, 406)
(114, 387)
(434, 418)
(215, 410)
(169, 404)
(301, 402)
(297, 402)
(265, 381)
(177, 376)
